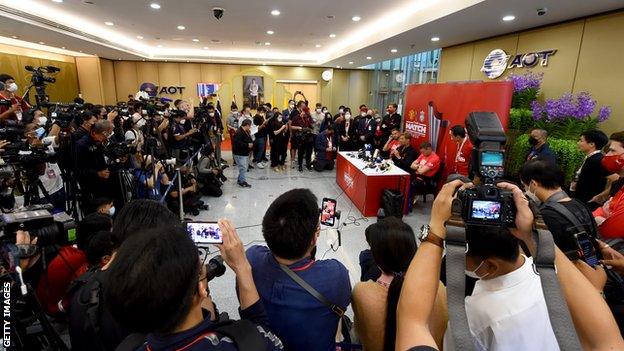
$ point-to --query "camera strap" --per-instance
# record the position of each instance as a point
(558, 312)
(456, 288)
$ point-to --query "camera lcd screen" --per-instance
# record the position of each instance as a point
(492, 158)
(486, 210)
(204, 232)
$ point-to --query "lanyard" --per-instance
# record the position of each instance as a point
(459, 150)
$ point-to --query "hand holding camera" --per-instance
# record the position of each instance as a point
(232, 249)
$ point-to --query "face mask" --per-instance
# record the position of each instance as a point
(291, 106)
(613, 163)
(347, 116)
(111, 211)
(279, 119)
(473, 274)
(363, 114)
(12, 87)
(111, 134)
(182, 121)
(140, 123)
(40, 131)
(18, 115)
(324, 111)
(341, 111)
(234, 112)
(43, 121)
(533, 141)
(318, 110)
(211, 114)
(531, 195)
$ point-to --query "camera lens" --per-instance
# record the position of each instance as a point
(215, 268)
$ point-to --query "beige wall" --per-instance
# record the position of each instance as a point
(588, 58)
(12, 62)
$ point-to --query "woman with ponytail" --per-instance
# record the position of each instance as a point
(393, 245)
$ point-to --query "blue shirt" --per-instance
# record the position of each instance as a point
(301, 321)
(543, 153)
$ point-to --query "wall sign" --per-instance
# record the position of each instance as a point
(496, 62)
(165, 90)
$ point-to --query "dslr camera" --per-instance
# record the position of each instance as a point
(57, 229)
(486, 204)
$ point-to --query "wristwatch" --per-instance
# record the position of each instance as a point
(427, 235)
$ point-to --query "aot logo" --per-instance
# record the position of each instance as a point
(495, 62)
(156, 90)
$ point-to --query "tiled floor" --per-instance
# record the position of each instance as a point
(246, 207)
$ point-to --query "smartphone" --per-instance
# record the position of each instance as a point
(328, 212)
(203, 233)
(587, 250)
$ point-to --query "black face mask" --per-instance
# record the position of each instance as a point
(533, 141)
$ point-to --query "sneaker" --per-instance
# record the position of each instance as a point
(300, 169)
(245, 185)
(250, 167)
(260, 165)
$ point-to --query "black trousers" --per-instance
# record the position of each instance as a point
(323, 165)
(305, 150)
(278, 152)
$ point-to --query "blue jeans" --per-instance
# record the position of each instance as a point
(241, 163)
(259, 144)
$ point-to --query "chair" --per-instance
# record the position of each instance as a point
(431, 186)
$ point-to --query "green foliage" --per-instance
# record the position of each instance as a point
(521, 119)
(568, 155)
(522, 99)
(569, 129)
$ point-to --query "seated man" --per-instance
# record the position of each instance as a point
(392, 144)
(324, 147)
(611, 215)
(425, 167)
(291, 228)
(404, 155)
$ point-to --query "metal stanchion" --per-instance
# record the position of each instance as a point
(180, 194)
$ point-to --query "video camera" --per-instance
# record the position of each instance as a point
(57, 229)
(486, 204)
(119, 149)
(39, 77)
(6, 102)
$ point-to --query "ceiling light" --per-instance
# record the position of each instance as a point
(332, 35)
(42, 43)
(275, 12)
(139, 37)
(435, 39)
(62, 47)
(270, 32)
(205, 48)
(159, 46)
(14, 36)
(181, 27)
(300, 65)
(338, 67)
(155, 6)
(356, 18)
(318, 45)
(350, 62)
(57, 1)
(108, 23)
(509, 18)
(394, 51)
(369, 58)
(267, 43)
(196, 40)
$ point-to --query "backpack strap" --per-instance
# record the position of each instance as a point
(245, 334)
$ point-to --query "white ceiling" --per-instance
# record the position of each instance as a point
(240, 36)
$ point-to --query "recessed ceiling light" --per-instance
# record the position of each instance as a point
(369, 58)
(139, 37)
(275, 12)
(267, 43)
(350, 62)
(143, 60)
(264, 64)
(332, 35)
(155, 6)
(159, 46)
(196, 40)
(205, 48)
(57, 1)
(42, 43)
(181, 27)
(62, 47)
(270, 32)
(509, 18)
(318, 45)
(356, 18)
(435, 39)
(80, 50)
(14, 36)
(300, 65)
(394, 51)
(108, 23)
(338, 67)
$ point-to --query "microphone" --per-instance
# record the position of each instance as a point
(29, 68)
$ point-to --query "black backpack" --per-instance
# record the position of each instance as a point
(91, 297)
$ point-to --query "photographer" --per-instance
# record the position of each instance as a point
(174, 317)
(84, 121)
(8, 89)
(93, 172)
(133, 135)
(91, 325)
(589, 311)
(180, 136)
(325, 147)
(148, 186)
(191, 197)
(210, 174)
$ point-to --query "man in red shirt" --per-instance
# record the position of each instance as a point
(425, 167)
(463, 150)
(392, 143)
(8, 88)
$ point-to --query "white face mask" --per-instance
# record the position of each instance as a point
(279, 119)
(531, 195)
(211, 114)
(111, 211)
(318, 110)
(140, 123)
(12, 87)
(40, 131)
(182, 121)
(473, 274)
(43, 121)
(347, 116)
(341, 111)
(291, 106)
(363, 114)
(324, 111)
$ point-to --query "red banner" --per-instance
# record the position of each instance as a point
(432, 109)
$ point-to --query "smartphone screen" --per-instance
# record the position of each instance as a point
(328, 212)
(588, 251)
(203, 233)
